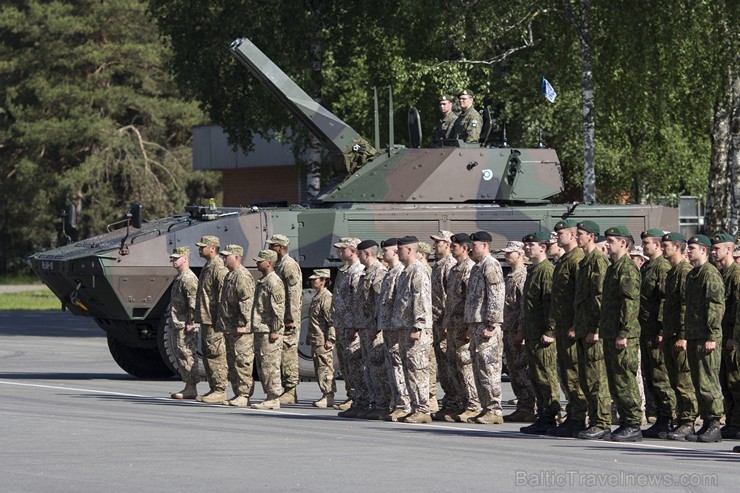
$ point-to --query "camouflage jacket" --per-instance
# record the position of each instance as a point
(268, 311)
(457, 287)
(621, 300)
(731, 279)
(440, 272)
(652, 294)
(210, 281)
(468, 125)
(705, 303)
(182, 299)
(562, 309)
(674, 306)
(321, 327)
(387, 297)
(344, 295)
(537, 295)
(290, 273)
(484, 301)
(445, 127)
(513, 298)
(589, 286)
(412, 305)
(235, 300)
(366, 297)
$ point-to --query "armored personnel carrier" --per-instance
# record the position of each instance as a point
(122, 277)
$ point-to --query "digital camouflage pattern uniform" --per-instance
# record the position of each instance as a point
(268, 317)
(320, 331)
(440, 273)
(182, 314)
(290, 273)
(398, 391)
(484, 309)
(344, 321)
(445, 127)
(730, 374)
(210, 281)
(468, 125)
(234, 310)
(374, 393)
(619, 311)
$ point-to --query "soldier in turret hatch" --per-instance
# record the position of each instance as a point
(445, 127)
(469, 121)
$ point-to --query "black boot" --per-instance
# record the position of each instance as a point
(579, 425)
(660, 429)
(596, 433)
(539, 427)
(628, 433)
(711, 434)
(684, 429)
(693, 437)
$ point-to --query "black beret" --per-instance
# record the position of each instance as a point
(407, 240)
(599, 238)
(460, 238)
(389, 242)
(365, 244)
(481, 236)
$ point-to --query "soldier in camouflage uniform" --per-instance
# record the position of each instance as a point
(516, 353)
(342, 406)
(425, 249)
(371, 339)
(587, 306)
(290, 273)
(620, 330)
(182, 322)
(729, 375)
(210, 281)
(444, 262)
(674, 335)
(322, 337)
(484, 314)
(412, 317)
(705, 307)
(536, 333)
(234, 322)
(268, 326)
(445, 127)
(469, 121)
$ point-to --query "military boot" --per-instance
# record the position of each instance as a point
(539, 427)
(520, 416)
(683, 430)
(628, 433)
(189, 392)
(660, 429)
(269, 403)
(212, 397)
(417, 417)
(239, 401)
(488, 418)
(730, 432)
(343, 406)
(711, 434)
(579, 425)
(289, 396)
(352, 412)
(464, 416)
(377, 413)
(397, 414)
(693, 437)
(595, 433)
(433, 404)
(564, 429)
(326, 401)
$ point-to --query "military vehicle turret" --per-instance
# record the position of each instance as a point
(122, 277)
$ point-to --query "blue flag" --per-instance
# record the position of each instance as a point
(548, 91)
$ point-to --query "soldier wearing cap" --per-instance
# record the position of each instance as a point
(442, 265)
(729, 376)
(652, 296)
(674, 336)
(210, 282)
(412, 317)
(587, 315)
(371, 397)
(705, 307)
(425, 249)
(322, 337)
(620, 330)
(268, 326)
(554, 250)
(339, 353)
(516, 353)
(484, 314)
(182, 321)
(638, 256)
(469, 121)
(445, 127)
(290, 273)
(234, 322)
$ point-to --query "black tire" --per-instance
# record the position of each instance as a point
(139, 362)
(166, 343)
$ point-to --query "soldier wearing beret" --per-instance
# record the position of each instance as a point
(469, 121)
(705, 307)
(445, 127)
(322, 337)
(182, 321)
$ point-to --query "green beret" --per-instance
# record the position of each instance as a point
(589, 227)
(538, 237)
(674, 237)
(445, 97)
(723, 238)
(652, 233)
(700, 240)
(618, 230)
(567, 223)
(466, 92)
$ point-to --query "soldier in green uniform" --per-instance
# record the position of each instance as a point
(445, 127)
(652, 295)
(729, 376)
(322, 337)
(620, 330)
(674, 336)
(469, 121)
(705, 306)
(182, 321)
(539, 339)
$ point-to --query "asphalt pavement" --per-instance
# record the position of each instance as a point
(71, 420)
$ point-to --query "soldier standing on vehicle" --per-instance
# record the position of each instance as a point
(469, 121)
(322, 337)
(290, 273)
(445, 127)
(234, 322)
(268, 325)
(182, 322)
(210, 281)
(484, 314)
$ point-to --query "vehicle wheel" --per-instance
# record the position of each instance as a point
(166, 343)
(139, 362)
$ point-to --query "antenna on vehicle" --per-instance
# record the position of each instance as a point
(391, 141)
(505, 143)
(377, 118)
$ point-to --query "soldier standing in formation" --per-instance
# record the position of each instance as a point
(469, 121)
(445, 127)
(182, 322)
(322, 337)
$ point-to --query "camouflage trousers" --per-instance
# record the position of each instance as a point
(269, 355)
(433, 372)
(443, 371)
(375, 374)
(517, 363)
(592, 374)
(621, 371)
(349, 390)
(399, 393)
(240, 361)
(543, 373)
(323, 366)
(679, 374)
(186, 347)
(730, 383)
(214, 357)
(415, 358)
(455, 397)
(656, 378)
(354, 370)
(459, 348)
(289, 361)
(568, 369)
(704, 369)
(486, 355)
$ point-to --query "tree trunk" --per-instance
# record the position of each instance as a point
(735, 152)
(719, 203)
(587, 89)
